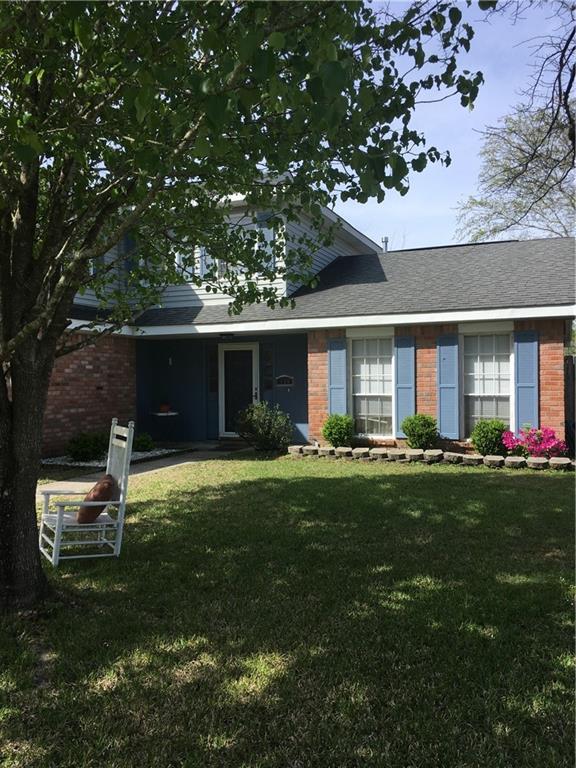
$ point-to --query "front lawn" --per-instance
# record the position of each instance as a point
(307, 614)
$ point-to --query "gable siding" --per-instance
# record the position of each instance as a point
(189, 295)
(88, 298)
(324, 255)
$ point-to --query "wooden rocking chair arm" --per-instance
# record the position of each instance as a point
(86, 503)
(52, 492)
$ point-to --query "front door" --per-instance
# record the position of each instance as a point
(238, 382)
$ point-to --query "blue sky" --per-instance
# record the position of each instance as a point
(427, 214)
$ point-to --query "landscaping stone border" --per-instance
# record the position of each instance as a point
(431, 456)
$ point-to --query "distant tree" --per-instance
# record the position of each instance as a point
(526, 182)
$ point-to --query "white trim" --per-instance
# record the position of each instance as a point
(375, 332)
(253, 347)
(513, 387)
(354, 321)
(394, 425)
(475, 329)
(351, 230)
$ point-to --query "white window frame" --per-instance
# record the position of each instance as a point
(355, 334)
(493, 329)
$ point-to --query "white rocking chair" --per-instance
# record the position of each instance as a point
(59, 530)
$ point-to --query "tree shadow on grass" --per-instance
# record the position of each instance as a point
(395, 620)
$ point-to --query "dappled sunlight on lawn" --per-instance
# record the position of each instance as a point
(313, 613)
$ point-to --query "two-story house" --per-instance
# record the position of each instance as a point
(459, 332)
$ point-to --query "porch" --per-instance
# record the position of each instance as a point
(192, 389)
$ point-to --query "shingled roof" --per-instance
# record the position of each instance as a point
(505, 274)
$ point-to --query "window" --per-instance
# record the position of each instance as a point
(188, 263)
(486, 379)
(206, 262)
(371, 370)
(266, 231)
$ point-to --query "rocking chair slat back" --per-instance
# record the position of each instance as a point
(119, 453)
(54, 528)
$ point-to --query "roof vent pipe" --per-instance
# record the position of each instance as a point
(385, 244)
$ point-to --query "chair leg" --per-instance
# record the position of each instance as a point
(118, 541)
(57, 537)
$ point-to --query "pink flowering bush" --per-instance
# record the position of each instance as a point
(534, 442)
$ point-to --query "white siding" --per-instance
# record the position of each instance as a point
(342, 245)
(191, 295)
(88, 298)
(188, 295)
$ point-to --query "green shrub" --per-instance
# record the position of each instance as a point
(421, 431)
(338, 430)
(486, 437)
(265, 427)
(88, 446)
(143, 442)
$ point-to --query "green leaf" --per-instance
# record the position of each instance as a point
(438, 21)
(264, 61)
(399, 168)
(419, 163)
(216, 109)
(143, 103)
(315, 88)
(331, 52)
(248, 45)
(212, 39)
(455, 15)
(83, 31)
(277, 40)
(202, 147)
(333, 77)
(31, 139)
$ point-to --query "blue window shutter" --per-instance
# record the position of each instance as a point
(405, 380)
(448, 391)
(337, 399)
(526, 376)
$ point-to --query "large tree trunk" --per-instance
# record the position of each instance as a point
(22, 580)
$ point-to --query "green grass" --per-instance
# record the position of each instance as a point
(313, 614)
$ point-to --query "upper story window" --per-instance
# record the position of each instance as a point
(372, 385)
(266, 232)
(486, 379)
(199, 265)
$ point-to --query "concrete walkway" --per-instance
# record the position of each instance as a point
(85, 480)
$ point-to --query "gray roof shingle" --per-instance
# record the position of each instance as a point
(462, 277)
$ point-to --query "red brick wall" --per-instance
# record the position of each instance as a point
(551, 364)
(88, 388)
(318, 380)
(425, 339)
(551, 335)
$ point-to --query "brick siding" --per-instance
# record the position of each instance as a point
(318, 380)
(425, 340)
(87, 389)
(551, 366)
